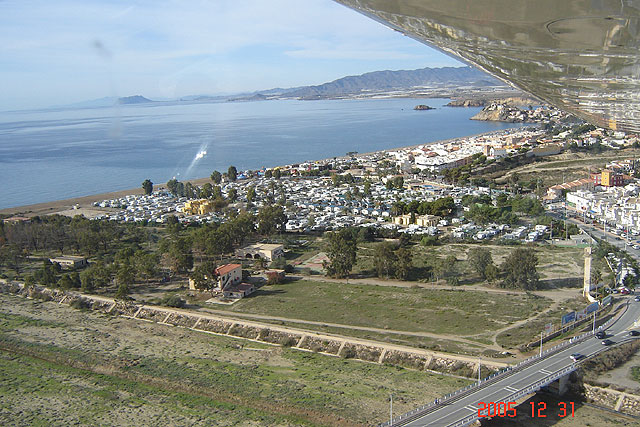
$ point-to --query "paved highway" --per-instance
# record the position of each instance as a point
(466, 407)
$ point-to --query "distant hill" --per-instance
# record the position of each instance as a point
(135, 99)
(397, 80)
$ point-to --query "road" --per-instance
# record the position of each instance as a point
(466, 406)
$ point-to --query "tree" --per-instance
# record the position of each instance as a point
(596, 275)
(271, 219)
(251, 194)
(146, 265)
(479, 259)
(404, 263)
(520, 270)
(147, 186)
(384, 259)
(123, 291)
(216, 177)
(177, 254)
(232, 195)
(341, 253)
(232, 173)
(398, 182)
(367, 188)
(65, 282)
(206, 191)
(204, 278)
(491, 273)
(125, 274)
(172, 185)
(190, 191)
(277, 173)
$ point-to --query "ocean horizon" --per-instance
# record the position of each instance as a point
(48, 155)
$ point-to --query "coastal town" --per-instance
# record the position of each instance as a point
(304, 245)
(364, 190)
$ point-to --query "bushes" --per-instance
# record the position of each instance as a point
(173, 301)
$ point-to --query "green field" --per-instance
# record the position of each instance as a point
(454, 312)
(60, 366)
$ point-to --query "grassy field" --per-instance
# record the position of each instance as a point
(452, 312)
(37, 392)
(105, 370)
(549, 267)
(528, 332)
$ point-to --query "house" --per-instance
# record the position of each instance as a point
(228, 275)
(608, 178)
(422, 220)
(261, 250)
(239, 291)
(497, 152)
(198, 207)
(68, 261)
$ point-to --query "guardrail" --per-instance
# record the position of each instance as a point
(517, 395)
(431, 407)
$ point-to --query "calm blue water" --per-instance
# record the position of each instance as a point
(57, 154)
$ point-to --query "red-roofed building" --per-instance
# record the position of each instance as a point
(229, 275)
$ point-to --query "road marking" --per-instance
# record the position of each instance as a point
(511, 389)
(471, 408)
(544, 371)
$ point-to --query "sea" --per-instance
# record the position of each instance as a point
(55, 154)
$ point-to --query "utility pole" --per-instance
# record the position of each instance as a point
(541, 334)
(594, 317)
(479, 368)
(390, 409)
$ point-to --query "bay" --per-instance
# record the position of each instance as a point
(48, 155)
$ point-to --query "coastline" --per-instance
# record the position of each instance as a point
(55, 206)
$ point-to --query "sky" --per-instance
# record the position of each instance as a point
(65, 51)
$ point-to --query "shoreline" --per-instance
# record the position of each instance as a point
(55, 206)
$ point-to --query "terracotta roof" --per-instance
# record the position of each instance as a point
(227, 268)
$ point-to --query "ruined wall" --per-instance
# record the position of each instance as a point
(613, 399)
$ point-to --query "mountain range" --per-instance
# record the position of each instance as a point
(378, 81)
(362, 85)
